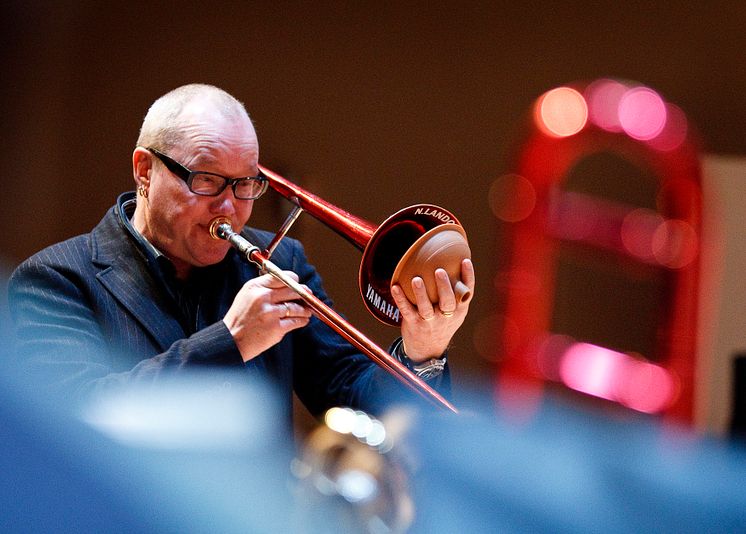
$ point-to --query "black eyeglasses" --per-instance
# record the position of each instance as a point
(210, 184)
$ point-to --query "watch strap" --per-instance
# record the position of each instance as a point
(426, 370)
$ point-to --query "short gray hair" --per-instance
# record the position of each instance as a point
(162, 127)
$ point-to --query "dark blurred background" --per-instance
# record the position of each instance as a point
(372, 106)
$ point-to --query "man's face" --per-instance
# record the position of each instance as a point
(177, 221)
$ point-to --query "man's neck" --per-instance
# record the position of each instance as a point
(182, 269)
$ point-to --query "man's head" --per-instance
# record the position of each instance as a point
(204, 129)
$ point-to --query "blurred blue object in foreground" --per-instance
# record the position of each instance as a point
(567, 470)
(212, 454)
(193, 456)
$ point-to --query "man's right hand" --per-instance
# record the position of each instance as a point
(263, 311)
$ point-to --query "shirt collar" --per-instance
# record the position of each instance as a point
(156, 260)
(126, 204)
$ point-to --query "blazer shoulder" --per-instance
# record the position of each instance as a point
(73, 252)
(67, 253)
(63, 265)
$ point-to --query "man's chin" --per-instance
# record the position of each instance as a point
(213, 256)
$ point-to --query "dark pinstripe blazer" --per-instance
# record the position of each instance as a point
(88, 314)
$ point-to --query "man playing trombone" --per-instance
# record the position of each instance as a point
(148, 293)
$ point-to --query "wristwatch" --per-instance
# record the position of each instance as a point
(425, 370)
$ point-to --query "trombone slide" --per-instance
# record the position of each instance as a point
(221, 229)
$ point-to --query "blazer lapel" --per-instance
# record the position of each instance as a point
(126, 276)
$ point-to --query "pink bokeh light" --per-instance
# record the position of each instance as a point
(642, 113)
(603, 97)
(607, 374)
(675, 243)
(638, 228)
(647, 387)
(675, 131)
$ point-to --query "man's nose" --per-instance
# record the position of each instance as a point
(225, 202)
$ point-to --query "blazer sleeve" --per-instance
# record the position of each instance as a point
(60, 341)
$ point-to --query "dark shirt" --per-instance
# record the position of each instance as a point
(195, 300)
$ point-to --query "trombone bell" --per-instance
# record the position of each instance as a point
(412, 242)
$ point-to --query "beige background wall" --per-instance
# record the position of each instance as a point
(723, 304)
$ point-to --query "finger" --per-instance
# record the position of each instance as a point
(295, 309)
(424, 306)
(467, 273)
(281, 309)
(406, 309)
(269, 281)
(266, 281)
(293, 323)
(282, 294)
(285, 293)
(446, 298)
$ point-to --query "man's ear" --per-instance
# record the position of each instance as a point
(142, 165)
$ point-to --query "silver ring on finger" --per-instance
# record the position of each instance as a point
(287, 310)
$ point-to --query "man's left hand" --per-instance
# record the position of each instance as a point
(427, 329)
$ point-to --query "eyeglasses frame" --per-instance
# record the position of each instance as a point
(187, 175)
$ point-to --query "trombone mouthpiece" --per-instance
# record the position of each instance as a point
(215, 224)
